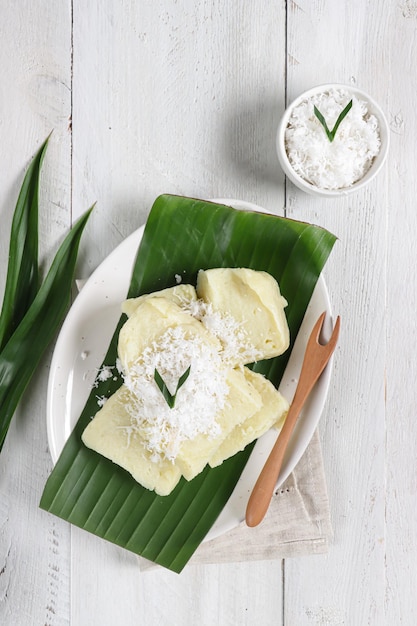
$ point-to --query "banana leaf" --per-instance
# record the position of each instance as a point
(22, 270)
(181, 236)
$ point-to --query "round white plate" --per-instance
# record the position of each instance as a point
(86, 335)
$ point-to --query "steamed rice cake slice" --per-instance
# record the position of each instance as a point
(254, 300)
(273, 412)
(242, 401)
(110, 433)
(181, 295)
(151, 319)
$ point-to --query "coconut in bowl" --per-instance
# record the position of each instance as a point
(332, 140)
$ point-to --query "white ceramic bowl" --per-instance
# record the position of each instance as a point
(377, 163)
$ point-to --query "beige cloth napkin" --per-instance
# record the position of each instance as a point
(297, 522)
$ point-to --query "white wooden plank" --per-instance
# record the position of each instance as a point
(352, 584)
(401, 390)
(35, 54)
(180, 98)
(210, 594)
(348, 585)
(236, 593)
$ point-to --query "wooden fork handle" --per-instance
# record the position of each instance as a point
(315, 360)
(261, 495)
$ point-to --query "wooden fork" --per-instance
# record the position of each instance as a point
(315, 360)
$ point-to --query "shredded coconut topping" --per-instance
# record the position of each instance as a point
(101, 401)
(105, 373)
(205, 390)
(337, 164)
(236, 344)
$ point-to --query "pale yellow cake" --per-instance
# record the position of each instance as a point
(182, 295)
(110, 433)
(273, 412)
(151, 319)
(243, 401)
(254, 300)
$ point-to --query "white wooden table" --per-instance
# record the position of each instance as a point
(184, 97)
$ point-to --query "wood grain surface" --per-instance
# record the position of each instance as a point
(175, 96)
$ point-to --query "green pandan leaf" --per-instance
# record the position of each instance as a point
(183, 235)
(22, 271)
(170, 397)
(331, 134)
(22, 353)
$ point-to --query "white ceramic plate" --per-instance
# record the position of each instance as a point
(86, 335)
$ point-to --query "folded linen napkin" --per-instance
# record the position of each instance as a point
(297, 522)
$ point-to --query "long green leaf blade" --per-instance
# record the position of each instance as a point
(22, 272)
(22, 353)
(181, 236)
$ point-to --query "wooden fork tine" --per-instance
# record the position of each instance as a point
(317, 328)
(330, 345)
(335, 334)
